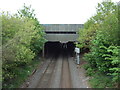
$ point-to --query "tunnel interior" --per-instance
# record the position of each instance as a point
(58, 48)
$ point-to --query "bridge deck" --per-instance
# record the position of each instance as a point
(62, 32)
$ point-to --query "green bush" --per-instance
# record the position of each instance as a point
(16, 46)
(22, 41)
(104, 44)
(100, 81)
(38, 40)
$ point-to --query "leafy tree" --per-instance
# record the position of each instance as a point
(38, 40)
(22, 39)
(100, 35)
(88, 33)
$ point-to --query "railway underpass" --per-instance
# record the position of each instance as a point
(58, 48)
(60, 38)
(59, 69)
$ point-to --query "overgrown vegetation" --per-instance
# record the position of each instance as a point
(22, 40)
(101, 36)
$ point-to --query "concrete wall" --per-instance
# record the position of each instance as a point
(61, 37)
(64, 37)
(62, 27)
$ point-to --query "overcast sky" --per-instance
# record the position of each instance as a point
(56, 11)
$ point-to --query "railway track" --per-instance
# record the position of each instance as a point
(65, 75)
(44, 81)
(56, 76)
(58, 72)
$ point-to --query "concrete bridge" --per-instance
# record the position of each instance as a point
(60, 36)
(62, 32)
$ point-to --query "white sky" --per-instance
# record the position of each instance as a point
(56, 11)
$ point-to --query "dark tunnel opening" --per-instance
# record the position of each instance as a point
(56, 49)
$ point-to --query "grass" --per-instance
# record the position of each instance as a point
(100, 81)
(97, 79)
(23, 74)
